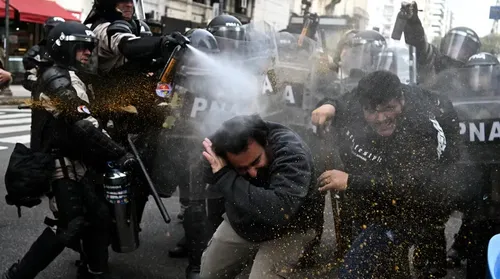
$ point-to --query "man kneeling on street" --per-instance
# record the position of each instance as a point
(399, 145)
(265, 173)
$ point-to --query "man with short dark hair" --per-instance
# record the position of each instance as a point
(399, 145)
(265, 173)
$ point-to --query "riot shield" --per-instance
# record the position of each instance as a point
(289, 83)
(206, 90)
(400, 59)
(475, 94)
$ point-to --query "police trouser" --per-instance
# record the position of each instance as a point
(202, 216)
(480, 220)
(82, 217)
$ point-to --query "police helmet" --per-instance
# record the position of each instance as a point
(362, 49)
(460, 43)
(483, 72)
(482, 59)
(285, 40)
(226, 26)
(105, 9)
(342, 43)
(66, 39)
(203, 40)
(50, 23)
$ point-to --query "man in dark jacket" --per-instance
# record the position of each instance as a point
(399, 145)
(265, 173)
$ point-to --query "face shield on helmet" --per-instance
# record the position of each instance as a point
(361, 54)
(228, 32)
(459, 44)
(77, 52)
(484, 78)
(290, 52)
(396, 58)
(229, 38)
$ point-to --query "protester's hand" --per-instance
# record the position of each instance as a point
(216, 162)
(409, 11)
(5, 76)
(321, 115)
(333, 180)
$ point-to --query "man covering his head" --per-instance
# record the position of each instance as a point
(265, 173)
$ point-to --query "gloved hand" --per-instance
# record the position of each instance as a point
(170, 42)
(409, 11)
(127, 162)
(173, 40)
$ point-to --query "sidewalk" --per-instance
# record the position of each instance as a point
(19, 96)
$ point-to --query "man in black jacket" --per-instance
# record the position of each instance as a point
(399, 145)
(265, 173)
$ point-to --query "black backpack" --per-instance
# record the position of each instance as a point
(27, 178)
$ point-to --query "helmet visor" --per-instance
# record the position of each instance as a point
(360, 56)
(85, 53)
(459, 45)
(483, 78)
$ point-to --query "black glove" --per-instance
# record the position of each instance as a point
(409, 11)
(127, 162)
(170, 42)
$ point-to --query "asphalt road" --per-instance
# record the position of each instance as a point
(151, 259)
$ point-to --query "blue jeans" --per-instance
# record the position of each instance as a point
(377, 252)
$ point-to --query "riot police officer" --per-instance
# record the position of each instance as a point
(359, 57)
(481, 73)
(182, 141)
(127, 54)
(63, 126)
(114, 24)
(341, 45)
(221, 27)
(456, 47)
(32, 58)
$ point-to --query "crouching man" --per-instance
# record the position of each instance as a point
(265, 173)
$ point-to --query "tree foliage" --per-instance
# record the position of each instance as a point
(491, 44)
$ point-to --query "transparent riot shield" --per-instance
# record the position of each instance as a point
(288, 84)
(400, 59)
(206, 90)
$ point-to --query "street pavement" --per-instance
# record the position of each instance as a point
(151, 259)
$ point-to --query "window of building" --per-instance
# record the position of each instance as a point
(199, 1)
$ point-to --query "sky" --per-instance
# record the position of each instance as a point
(473, 14)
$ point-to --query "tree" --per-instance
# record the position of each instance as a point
(491, 44)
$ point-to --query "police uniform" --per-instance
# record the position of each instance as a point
(62, 126)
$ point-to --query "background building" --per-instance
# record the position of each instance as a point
(383, 15)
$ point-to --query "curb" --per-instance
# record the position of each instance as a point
(14, 100)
